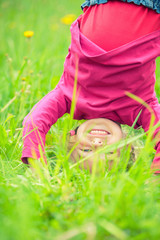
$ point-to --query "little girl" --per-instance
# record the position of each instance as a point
(114, 46)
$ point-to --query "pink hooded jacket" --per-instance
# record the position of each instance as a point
(103, 79)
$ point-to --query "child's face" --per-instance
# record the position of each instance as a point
(92, 135)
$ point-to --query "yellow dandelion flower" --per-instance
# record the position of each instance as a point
(23, 78)
(68, 19)
(28, 34)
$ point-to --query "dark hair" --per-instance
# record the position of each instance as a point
(76, 130)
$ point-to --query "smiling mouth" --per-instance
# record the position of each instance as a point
(99, 132)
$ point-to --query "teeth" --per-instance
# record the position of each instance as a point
(98, 132)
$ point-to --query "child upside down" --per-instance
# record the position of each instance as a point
(114, 45)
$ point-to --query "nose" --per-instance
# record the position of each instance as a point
(97, 142)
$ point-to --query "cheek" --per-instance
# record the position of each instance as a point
(113, 139)
(110, 140)
(74, 156)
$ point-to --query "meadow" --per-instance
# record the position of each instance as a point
(68, 203)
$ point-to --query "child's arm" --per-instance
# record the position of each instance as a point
(38, 122)
(144, 121)
(155, 166)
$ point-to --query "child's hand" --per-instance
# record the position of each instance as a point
(155, 166)
(155, 179)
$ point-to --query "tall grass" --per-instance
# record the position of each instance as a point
(72, 203)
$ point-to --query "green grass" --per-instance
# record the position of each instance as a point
(72, 204)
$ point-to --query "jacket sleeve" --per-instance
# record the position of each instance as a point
(38, 122)
(144, 120)
(155, 166)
